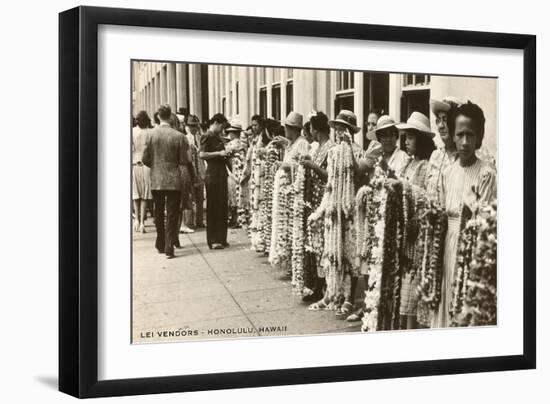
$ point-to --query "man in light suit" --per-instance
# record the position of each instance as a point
(165, 150)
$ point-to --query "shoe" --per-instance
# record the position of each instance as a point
(170, 256)
(136, 225)
(200, 226)
(142, 228)
(186, 230)
(217, 246)
(226, 244)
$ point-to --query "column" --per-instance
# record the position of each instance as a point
(195, 106)
(181, 86)
(394, 103)
(211, 90)
(358, 104)
(269, 83)
(163, 86)
(244, 99)
(171, 85)
(284, 78)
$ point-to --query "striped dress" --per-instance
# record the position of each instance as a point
(460, 185)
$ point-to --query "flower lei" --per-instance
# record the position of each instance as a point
(337, 208)
(299, 233)
(370, 223)
(474, 299)
(255, 201)
(272, 163)
(281, 234)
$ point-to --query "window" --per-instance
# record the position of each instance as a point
(344, 80)
(276, 102)
(289, 96)
(416, 80)
(263, 102)
(415, 100)
(344, 101)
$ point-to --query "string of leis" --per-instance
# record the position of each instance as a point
(299, 232)
(338, 209)
(272, 163)
(474, 294)
(281, 234)
(466, 244)
(370, 222)
(255, 200)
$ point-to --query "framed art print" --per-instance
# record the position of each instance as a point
(252, 201)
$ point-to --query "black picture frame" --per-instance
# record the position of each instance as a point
(78, 193)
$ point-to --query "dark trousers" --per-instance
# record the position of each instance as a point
(216, 210)
(198, 194)
(167, 233)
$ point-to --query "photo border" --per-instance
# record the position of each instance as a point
(78, 192)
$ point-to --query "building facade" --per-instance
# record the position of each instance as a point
(242, 91)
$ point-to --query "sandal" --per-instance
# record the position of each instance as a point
(345, 309)
(322, 304)
(356, 316)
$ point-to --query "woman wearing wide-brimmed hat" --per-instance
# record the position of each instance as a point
(445, 154)
(417, 141)
(392, 159)
(345, 127)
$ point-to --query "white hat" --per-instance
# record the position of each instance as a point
(419, 122)
(295, 120)
(384, 122)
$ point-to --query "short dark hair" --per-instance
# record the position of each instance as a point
(156, 118)
(320, 122)
(475, 113)
(375, 111)
(143, 120)
(258, 118)
(165, 111)
(218, 118)
(424, 144)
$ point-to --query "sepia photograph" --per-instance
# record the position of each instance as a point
(276, 201)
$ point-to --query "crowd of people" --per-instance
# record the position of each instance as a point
(389, 217)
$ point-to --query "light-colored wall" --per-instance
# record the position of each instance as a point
(481, 91)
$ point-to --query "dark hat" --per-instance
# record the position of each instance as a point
(193, 120)
(347, 118)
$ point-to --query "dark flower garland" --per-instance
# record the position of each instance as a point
(474, 295)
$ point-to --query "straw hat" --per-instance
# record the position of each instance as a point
(295, 120)
(384, 122)
(234, 126)
(445, 104)
(347, 118)
(417, 121)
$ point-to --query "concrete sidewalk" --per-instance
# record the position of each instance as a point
(216, 294)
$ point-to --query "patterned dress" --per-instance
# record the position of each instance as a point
(461, 185)
(414, 173)
(141, 174)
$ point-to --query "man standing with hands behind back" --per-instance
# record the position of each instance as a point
(164, 152)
